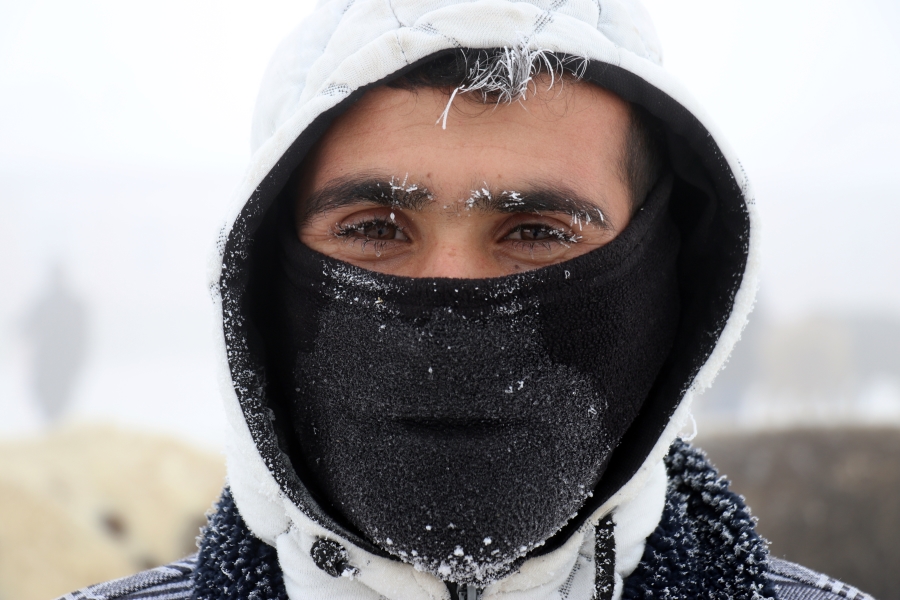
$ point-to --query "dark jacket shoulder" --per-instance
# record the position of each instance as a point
(168, 582)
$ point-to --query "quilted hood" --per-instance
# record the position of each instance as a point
(349, 46)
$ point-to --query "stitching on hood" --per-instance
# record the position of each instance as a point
(390, 5)
(547, 16)
(400, 46)
(336, 89)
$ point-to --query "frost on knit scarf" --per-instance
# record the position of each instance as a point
(704, 547)
(232, 562)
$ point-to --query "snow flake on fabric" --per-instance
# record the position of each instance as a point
(234, 564)
(705, 545)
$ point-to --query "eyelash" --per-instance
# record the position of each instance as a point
(347, 231)
(558, 236)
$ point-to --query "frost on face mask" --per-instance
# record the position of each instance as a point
(440, 421)
(458, 424)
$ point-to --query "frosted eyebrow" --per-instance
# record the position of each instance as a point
(347, 191)
(541, 200)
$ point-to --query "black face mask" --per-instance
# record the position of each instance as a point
(459, 423)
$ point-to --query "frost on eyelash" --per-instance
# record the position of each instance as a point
(564, 238)
(343, 232)
(508, 76)
(582, 220)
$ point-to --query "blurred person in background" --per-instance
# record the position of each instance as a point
(484, 257)
(57, 328)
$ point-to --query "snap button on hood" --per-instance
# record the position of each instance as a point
(332, 558)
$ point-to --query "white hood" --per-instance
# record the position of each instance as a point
(343, 48)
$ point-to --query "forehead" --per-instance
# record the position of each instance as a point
(572, 132)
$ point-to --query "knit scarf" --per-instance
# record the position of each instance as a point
(704, 547)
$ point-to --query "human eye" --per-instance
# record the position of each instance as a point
(376, 228)
(372, 232)
(540, 236)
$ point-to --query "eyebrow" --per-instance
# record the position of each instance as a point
(401, 193)
(346, 191)
(541, 199)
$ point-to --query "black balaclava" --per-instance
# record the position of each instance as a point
(459, 423)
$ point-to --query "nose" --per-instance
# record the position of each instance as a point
(458, 261)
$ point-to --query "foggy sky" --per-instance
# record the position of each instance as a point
(124, 126)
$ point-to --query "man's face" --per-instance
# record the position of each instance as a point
(502, 189)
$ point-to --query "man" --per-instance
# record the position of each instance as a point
(485, 255)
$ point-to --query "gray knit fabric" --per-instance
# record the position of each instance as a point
(794, 582)
(169, 582)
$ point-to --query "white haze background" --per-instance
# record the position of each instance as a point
(124, 128)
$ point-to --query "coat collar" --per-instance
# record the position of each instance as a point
(704, 545)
